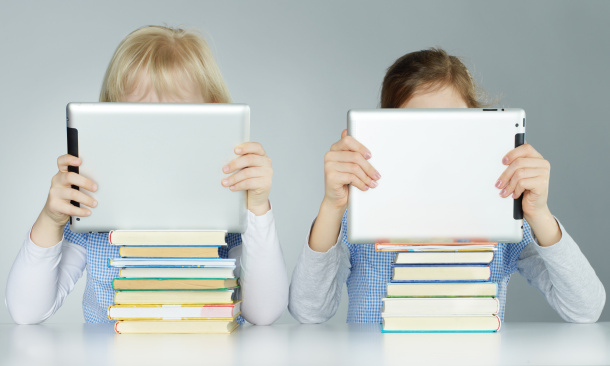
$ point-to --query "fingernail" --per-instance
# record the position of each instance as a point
(377, 176)
(88, 213)
(503, 192)
(505, 160)
(225, 168)
(373, 184)
(238, 150)
(367, 155)
(94, 203)
(498, 183)
(95, 187)
(232, 188)
(225, 182)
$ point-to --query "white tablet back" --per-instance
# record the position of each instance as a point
(439, 168)
(158, 166)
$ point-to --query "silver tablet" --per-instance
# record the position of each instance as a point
(158, 166)
(438, 172)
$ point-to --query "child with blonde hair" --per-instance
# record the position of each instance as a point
(152, 64)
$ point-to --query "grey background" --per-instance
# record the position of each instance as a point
(301, 66)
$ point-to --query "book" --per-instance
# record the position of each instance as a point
(171, 262)
(174, 312)
(442, 289)
(169, 272)
(169, 251)
(415, 247)
(166, 237)
(174, 297)
(488, 323)
(173, 283)
(441, 306)
(446, 273)
(474, 257)
(175, 326)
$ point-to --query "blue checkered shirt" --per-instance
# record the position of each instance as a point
(98, 291)
(371, 271)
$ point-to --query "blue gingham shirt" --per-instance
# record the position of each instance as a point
(371, 271)
(99, 293)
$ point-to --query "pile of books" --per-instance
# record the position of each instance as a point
(441, 288)
(173, 282)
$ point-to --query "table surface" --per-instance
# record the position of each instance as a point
(313, 344)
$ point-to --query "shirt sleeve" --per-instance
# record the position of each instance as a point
(564, 276)
(262, 271)
(317, 282)
(41, 278)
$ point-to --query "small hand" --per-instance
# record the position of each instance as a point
(58, 207)
(347, 163)
(527, 174)
(253, 174)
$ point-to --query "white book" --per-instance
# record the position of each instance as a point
(440, 306)
(169, 272)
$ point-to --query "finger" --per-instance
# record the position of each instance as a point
(249, 184)
(354, 169)
(352, 157)
(71, 178)
(250, 148)
(342, 179)
(522, 174)
(66, 208)
(246, 161)
(521, 163)
(67, 160)
(529, 184)
(523, 151)
(248, 173)
(348, 143)
(70, 194)
(344, 133)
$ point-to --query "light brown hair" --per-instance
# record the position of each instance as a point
(428, 70)
(167, 56)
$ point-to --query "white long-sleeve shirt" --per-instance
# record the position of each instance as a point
(41, 278)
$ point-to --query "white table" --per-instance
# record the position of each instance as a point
(320, 344)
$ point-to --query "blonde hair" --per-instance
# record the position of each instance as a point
(166, 56)
(429, 69)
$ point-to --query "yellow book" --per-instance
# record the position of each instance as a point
(173, 297)
(173, 283)
(175, 327)
(169, 251)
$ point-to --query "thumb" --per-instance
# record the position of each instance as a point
(344, 133)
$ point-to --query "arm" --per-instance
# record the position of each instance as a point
(264, 283)
(554, 263)
(564, 276)
(263, 278)
(324, 265)
(317, 283)
(41, 278)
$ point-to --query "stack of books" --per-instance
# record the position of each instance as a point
(173, 282)
(441, 288)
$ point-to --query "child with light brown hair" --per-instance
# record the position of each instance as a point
(547, 256)
(157, 65)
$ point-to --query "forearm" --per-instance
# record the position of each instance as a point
(317, 283)
(263, 277)
(565, 277)
(46, 232)
(41, 278)
(545, 228)
(326, 228)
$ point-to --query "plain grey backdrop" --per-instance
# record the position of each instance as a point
(300, 66)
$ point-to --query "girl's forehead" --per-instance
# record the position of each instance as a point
(176, 88)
